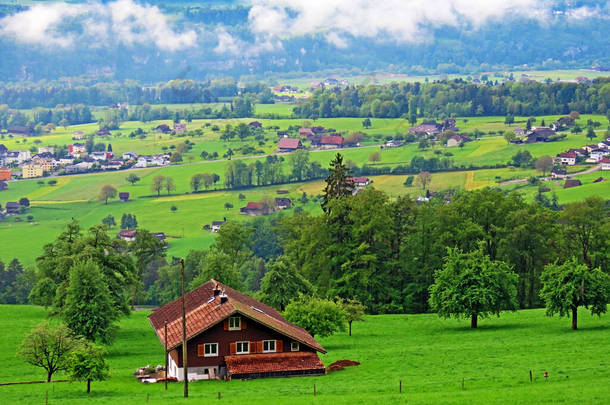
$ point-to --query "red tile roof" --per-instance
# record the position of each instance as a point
(568, 155)
(359, 179)
(128, 233)
(273, 362)
(332, 140)
(289, 143)
(254, 206)
(605, 160)
(203, 312)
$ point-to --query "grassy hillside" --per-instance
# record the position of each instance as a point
(431, 356)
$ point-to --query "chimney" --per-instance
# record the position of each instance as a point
(223, 297)
(216, 290)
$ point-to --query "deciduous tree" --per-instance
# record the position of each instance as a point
(132, 178)
(281, 284)
(570, 285)
(423, 179)
(48, 346)
(317, 316)
(88, 308)
(87, 363)
(544, 164)
(107, 192)
(471, 285)
(157, 184)
(354, 311)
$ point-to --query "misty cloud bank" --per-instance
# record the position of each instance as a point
(96, 25)
(270, 22)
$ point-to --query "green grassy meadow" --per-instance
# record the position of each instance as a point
(429, 355)
(76, 196)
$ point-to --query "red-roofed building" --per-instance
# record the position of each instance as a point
(253, 209)
(5, 173)
(567, 158)
(605, 163)
(289, 144)
(331, 142)
(231, 335)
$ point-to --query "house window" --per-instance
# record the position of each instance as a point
(210, 349)
(268, 346)
(294, 346)
(242, 347)
(235, 323)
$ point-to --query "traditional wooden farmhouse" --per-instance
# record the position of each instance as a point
(3, 185)
(255, 124)
(331, 142)
(12, 207)
(426, 129)
(22, 130)
(179, 128)
(233, 336)
(124, 197)
(539, 134)
(216, 225)
(128, 235)
(253, 209)
(163, 129)
(359, 181)
(289, 144)
(103, 132)
(305, 133)
(282, 203)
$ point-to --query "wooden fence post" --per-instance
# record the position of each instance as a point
(314, 390)
(531, 377)
(462, 382)
(47, 398)
(218, 394)
(400, 387)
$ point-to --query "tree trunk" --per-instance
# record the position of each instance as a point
(88, 385)
(574, 318)
(350, 328)
(474, 321)
(49, 375)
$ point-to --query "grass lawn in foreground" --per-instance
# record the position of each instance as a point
(429, 355)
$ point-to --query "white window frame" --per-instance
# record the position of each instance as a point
(235, 319)
(237, 344)
(295, 346)
(215, 354)
(268, 343)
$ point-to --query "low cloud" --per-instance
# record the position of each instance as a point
(95, 25)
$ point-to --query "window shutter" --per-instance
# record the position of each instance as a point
(254, 347)
(232, 348)
(279, 346)
(243, 323)
(259, 346)
(226, 324)
(200, 350)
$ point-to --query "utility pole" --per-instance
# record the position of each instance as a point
(184, 351)
(166, 370)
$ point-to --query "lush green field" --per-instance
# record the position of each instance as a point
(76, 196)
(429, 355)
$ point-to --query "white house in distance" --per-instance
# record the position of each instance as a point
(567, 158)
(605, 164)
(597, 155)
(130, 155)
(17, 156)
(154, 160)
